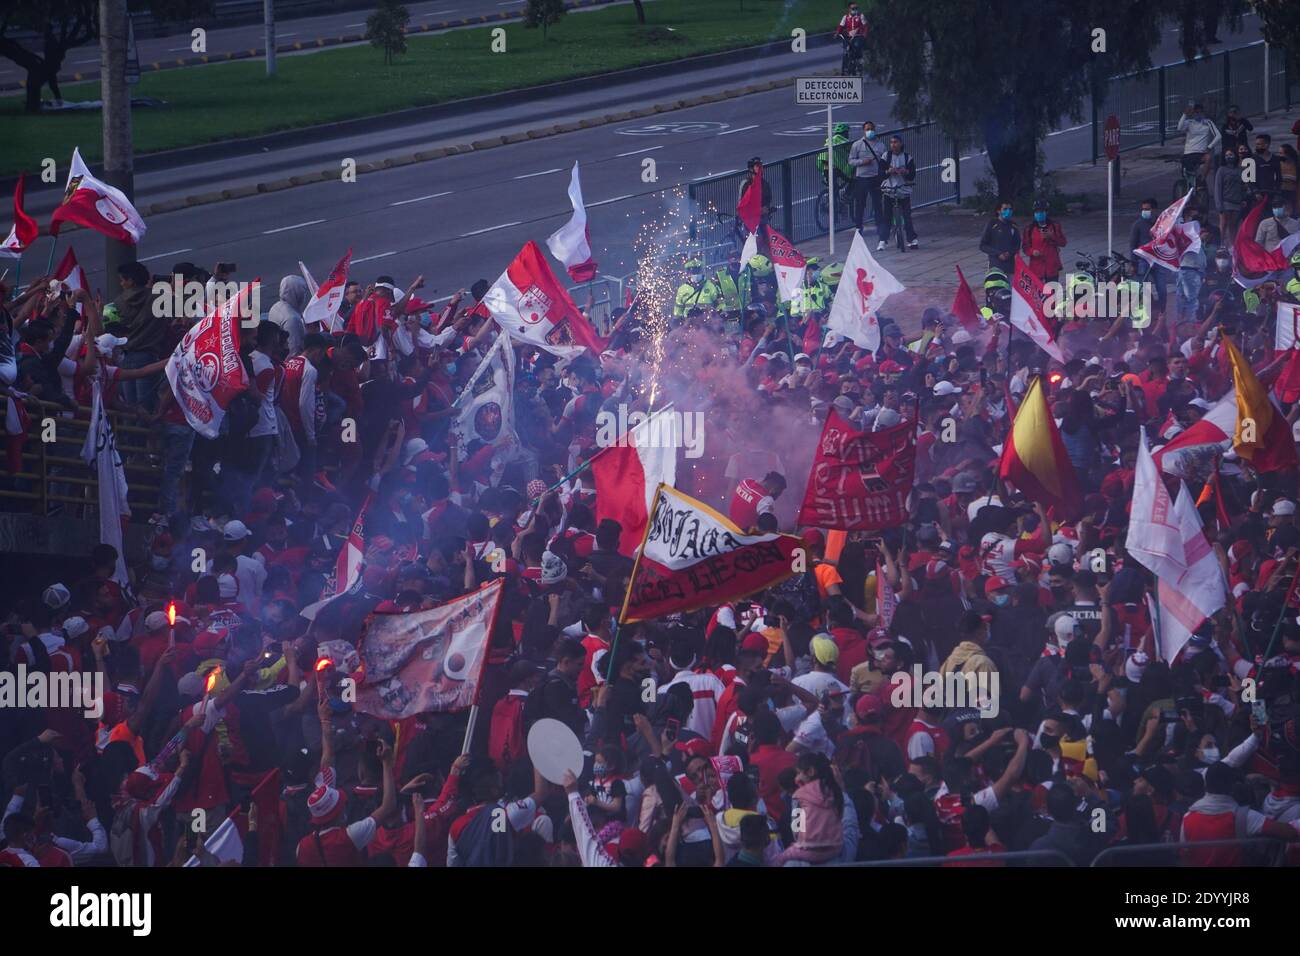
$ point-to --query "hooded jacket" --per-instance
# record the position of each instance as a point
(969, 658)
(287, 313)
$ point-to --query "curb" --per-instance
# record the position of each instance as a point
(303, 179)
(318, 43)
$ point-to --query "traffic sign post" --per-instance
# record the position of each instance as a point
(1110, 137)
(830, 91)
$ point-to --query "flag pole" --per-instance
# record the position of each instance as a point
(1277, 627)
(18, 275)
(50, 262)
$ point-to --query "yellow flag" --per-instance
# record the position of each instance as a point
(1254, 410)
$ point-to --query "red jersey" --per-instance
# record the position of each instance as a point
(749, 501)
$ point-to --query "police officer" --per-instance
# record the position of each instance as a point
(695, 290)
(813, 295)
(727, 280)
(1293, 284)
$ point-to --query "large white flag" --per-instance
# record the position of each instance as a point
(100, 449)
(487, 404)
(1187, 599)
(863, 289)
(328, 296)
(534, 308)
(1154, 538)
(571, 243)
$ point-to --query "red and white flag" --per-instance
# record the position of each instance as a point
(1154, 538)
(631, 467)
(788, 263)
(863, 288)
(1191, 595)
(571, 243)
(226, 843)
(97, 205)
(427, 661)
(1171, 238)
(1288, 321)
(1194, 452)
(25, 230)
(1027, 311)
(70, 273)
(860, 481)
(205, 371)
(328, 296)
(693, 557)
(530, 305)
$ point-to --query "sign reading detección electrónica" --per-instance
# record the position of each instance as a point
(821, 90)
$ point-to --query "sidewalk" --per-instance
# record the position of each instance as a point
(950, 234)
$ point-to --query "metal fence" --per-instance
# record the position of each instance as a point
(1149, 103)
(797, 184)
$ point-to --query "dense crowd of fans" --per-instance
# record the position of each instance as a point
(765, 731)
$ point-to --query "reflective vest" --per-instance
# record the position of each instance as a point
(809, 299)
(728, 291)
(1293, 287)
(688, 297)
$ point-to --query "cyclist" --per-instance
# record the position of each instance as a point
(896, 193)
(852, 32)
(838, 147)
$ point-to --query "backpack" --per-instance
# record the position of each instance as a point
(481, 844)
(801, 591)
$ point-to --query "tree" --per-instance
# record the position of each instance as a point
(1281, 20)
(640, 11)
(544, 14)
(1005, 72)
(386, 29)
(61, 25)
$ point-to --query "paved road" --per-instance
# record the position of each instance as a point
(84, 61)
(462, 218)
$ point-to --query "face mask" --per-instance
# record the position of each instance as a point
(1279, 213)
(451, 368)
(1002, 600)
(871, 134)
(1006, 214)
(1210, 755)
(1147, 213)
(1047, 741)
(598, 770)
(1040, 217)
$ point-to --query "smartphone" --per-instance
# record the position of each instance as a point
(1259, 710)
(671, 729)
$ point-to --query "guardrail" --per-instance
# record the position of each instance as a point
(1244, 851)
(1148, 103)
(53, 473)
(1008, 858)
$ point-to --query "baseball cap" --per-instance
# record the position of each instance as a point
(824, 650)
(1060, 553)
(56, 596)
(995, 584)
(754, 643)
(235, 530)
(155, 621)
(1283, 507)
(946, 388)
(74, 627)
(105, 343)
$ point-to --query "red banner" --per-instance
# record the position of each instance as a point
(860, 480)
(693, 557)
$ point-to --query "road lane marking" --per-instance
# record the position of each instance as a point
(479, 232)
(739, 130)
(405, 202)
(163, 255)
(297, 225)
(382, 255)
(648, 149)
(544, 172)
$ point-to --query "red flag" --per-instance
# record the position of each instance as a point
(529, 304)
(750, 208)
(964, 306)
(860, 480)
(628, 469)
(1249, 257)
(97, 205)
(1034, 458)
(1027, 311)
(693, 557)
(205, 371)
(812, 336)
(25, 230)
(1287, 385)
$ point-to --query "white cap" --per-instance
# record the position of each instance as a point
(1134, 667)
(106, 343)
(74, 627)
(1200, 403)
(975, 506)
(398, 294)
(831, 340)
(235, 531)
(1064, 628)
(1060, 553)
(1283, 507)
(56, 596)
(155, 621)
(946, 388)
(886, 418)
(961, 337)
(803, 357)
(412, 448)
